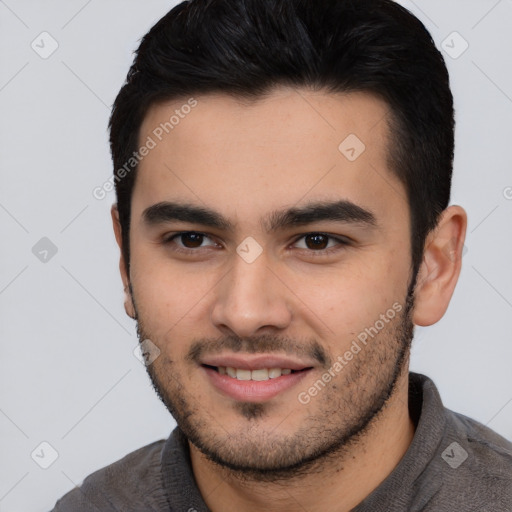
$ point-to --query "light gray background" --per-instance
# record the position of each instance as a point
(68, 375)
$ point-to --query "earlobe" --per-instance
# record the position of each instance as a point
(440, 268)
(128, 301)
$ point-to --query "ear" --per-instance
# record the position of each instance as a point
(128, 301)
(440, 268)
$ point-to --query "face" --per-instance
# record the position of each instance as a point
(270, 264)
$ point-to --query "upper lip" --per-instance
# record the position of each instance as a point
(255, 361)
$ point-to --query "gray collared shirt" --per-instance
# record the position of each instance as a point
(454, 464)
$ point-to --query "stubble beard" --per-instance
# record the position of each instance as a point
(342, 411)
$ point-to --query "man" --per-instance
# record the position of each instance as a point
(283, 171)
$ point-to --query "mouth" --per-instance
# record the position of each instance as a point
(259, 375)
(254, 378)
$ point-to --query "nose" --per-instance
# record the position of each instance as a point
(251, 299)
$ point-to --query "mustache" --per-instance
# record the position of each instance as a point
(264, 344)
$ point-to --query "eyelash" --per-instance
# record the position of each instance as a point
(341, 243)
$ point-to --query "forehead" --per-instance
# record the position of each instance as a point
(292, 145)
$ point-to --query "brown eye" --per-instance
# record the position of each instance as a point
(191, 240)
(321, 244)
(316, 241)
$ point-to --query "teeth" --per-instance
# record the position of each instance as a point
(243, 374)
(274, 372)
(258, 375)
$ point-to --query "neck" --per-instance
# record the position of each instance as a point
(339, 484)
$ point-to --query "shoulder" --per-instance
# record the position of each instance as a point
(474, 465)
(466, 464)
(131, 483)
(487, 452)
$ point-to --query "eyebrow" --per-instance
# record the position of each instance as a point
(340, 211)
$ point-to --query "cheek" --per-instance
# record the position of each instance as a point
(353, 297)
(169, 299)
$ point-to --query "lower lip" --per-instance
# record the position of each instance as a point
(253, 390)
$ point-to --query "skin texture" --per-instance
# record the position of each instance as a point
(245, 160)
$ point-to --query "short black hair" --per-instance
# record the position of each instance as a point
(245, 48)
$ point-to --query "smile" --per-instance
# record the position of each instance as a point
(260, 374)
(255, 385)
